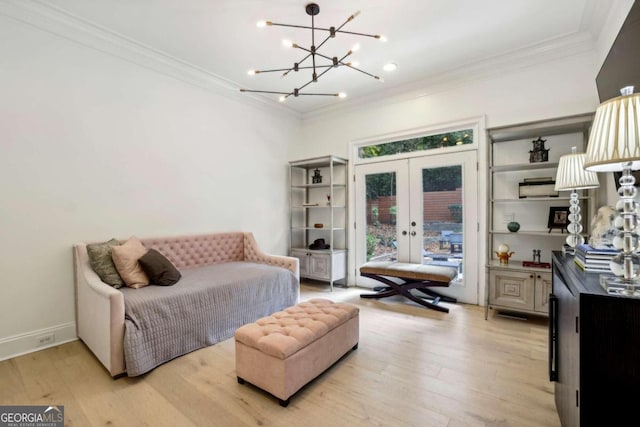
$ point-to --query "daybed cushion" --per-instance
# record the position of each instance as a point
(159, 269)
(101, 262)
(207, 306)
(126, 257)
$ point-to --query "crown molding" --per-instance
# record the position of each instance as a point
(59, 22)
(551, 50)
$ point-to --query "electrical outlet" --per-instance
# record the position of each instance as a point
(508, 218)
(45, 339)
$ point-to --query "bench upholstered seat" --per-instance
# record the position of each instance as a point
(412, 276)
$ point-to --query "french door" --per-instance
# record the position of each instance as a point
(420, 210)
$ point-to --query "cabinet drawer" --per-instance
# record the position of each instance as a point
(512, 289)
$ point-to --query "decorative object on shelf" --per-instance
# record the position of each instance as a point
(537, 187)
(603, 229)
(503, 253)
(318, 244)
(316, 178)
(536, 264)
(513, 226)
(614, 145)
(536, 261)
(572, 176)
(318, 225)
(312, 53)
(539, 153)
(536, 256)
(558, 218)
(594, 260)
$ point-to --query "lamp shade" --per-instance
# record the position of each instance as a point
(571, 174)
(614, 135)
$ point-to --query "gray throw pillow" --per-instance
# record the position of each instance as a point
(159, 269)
(101, 262)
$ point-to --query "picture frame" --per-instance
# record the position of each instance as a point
(558, 218)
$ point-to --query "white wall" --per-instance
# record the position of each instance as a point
(94, 147)
(546, 90)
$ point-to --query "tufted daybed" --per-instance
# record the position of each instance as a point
(226, 282)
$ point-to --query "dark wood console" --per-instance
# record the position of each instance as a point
(594, 349)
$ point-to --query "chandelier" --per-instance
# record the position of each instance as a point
(317, 62)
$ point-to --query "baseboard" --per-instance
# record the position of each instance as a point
(29, 342)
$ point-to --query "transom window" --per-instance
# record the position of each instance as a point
(422, 143)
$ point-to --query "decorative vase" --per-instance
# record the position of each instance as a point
(513, 226)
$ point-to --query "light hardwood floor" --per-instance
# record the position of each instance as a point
(413, 367)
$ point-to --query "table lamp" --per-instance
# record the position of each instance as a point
(614, 146)
(572, 176)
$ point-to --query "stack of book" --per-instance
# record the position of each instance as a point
(594, 260)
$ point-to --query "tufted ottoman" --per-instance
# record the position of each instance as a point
(283, 352)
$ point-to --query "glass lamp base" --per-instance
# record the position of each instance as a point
(615, 285)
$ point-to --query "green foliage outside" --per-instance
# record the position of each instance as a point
(447, 178)
(372, 242)
(449, 139)
(456, 212)
(434, 179)
(375, 216)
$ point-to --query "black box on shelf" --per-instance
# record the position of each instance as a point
(536, 188)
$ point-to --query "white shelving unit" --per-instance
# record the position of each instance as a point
(318, 210)
(513, 287)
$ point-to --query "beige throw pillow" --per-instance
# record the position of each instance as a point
(126, 257)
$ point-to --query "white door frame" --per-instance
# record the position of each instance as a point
(409, 197)
(479, 145)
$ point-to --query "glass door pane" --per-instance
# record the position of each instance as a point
(444, 217)
(381, 216)
(381, 202)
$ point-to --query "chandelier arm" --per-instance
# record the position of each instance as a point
(264, 91)
(312, 80)
(330, 59)
(275, 24)
(271, 71)
(323, 42)
(316, 79)
(362, 71)
(318, 94)
(375, 36)
(306, 57)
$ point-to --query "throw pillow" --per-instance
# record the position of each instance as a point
(101, 262)
(159, 269)
(126, 257)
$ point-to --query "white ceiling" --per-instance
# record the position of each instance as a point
(426, 38)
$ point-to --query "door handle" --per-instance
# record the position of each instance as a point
(553, 338)
(413, 223)
(413, 233)
(404, 232)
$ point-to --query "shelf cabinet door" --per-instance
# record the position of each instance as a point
(319, 266)
(543, 289)
(303, 261)
(512, 289)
